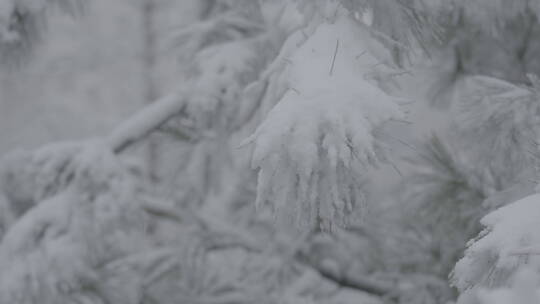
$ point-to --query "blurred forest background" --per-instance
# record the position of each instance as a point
(271, 151)
(89, 72)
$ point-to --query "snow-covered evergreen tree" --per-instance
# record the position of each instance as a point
(237, 43)
(281, 118)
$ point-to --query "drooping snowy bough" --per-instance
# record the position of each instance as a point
(320, 138)
(502, 264)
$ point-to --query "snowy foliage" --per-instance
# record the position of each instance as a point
(224, 52)
(486, 104)
(524, 290)
(100, 236)
(508, 242)
(86, 215)
(309, 87)
(459, 177)
(319, 139)
(444, 202)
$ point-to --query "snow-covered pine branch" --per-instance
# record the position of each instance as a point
(444, 202)
(82, 233)
(498, 119)
(320, 134)
(522, 288)
(318, 141)
(85, 214)
(146, 121)
(496, 258)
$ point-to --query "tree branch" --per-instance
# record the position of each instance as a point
(145, 121)
(361, 283)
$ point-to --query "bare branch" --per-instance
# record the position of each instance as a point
(357, 282)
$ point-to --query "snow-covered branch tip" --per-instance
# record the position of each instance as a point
(319, 140)
(497, 254)
(146, 121)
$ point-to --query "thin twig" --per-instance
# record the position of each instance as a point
(360, 55)
(396, 168)
(401, 121)
(334, 59)
(295, 90)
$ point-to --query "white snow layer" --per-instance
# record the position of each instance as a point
(319, 138)
(509, 241)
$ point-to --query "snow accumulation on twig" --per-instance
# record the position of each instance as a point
(321, 133)
(145, 121)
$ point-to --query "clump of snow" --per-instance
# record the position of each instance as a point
(318, 141)
(509, 241)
